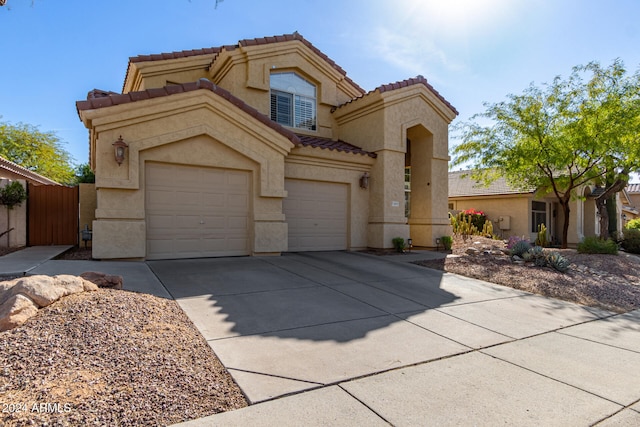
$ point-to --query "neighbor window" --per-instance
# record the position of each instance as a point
(538, 215)
(293, 101)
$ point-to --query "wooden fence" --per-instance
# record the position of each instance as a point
(53, 215)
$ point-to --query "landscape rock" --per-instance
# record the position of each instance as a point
(103, 280)
(20, 298)
(472, 251)
(15, 311)
(44, 290)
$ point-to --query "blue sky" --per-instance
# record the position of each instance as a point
(471, 51)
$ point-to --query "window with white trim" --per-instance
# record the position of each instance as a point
(293, 101)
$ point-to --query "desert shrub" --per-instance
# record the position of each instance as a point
(398, 244)
(513, 240)
(12, 194)
(557, 261)
(634, 224)
(520, 248)
(595, 245)
(537, 255)
(478, 218)
(447, 242)
(631, 241)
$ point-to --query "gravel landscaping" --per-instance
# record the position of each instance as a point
(110, 358)
(610, 282)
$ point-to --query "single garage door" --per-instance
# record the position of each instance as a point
(316, 214)
(195, 212)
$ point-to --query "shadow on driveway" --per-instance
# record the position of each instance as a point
(288, 296)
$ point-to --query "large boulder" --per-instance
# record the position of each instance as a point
(103, 280)
(20, 298)
(16, 310)
(44, 290)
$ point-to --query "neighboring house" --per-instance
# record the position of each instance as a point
(16, 218)
(263, 147)
(519, 213)
(630, 199)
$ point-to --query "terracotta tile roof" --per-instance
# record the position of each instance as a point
(633, 188)
(247, 42)
(405, 83)
(175, 55)
(461, 184)
(326, 143)
(100, 99)
(25, 173)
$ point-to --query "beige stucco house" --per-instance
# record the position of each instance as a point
(519, 212)
(263, 147)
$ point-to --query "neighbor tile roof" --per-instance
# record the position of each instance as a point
(28, 175)
(633, 188)
(461, 184)
(405, 83)
(100, 99)
(326, 143)
(247, 42)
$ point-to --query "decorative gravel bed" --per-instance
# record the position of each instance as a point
(110, 358)
(610, 282)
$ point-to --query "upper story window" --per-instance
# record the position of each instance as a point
(293, 101)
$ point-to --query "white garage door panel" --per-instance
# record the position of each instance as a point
(196, 212)
(316, 214)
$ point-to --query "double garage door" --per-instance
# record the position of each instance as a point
(195, 212)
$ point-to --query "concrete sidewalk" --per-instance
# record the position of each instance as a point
(350, 339)
(34, 260)
(23, 261)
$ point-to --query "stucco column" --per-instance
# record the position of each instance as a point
(428, 218)
(386, 201)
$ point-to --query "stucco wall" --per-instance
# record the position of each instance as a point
(382, 123)
(88, 203)
(15, 218)
(517, 207)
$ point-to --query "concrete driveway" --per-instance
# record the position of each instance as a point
(375, 340)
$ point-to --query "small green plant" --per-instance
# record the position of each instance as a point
(631, 241)
(558, 262)
(520, 247)
(595, 245)
(447, 242)
(634, 224)
(487, 229)
(541, 240)
(12, 194)
(398, 244)
(537, 255)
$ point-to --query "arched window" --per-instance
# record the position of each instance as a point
(293, 101)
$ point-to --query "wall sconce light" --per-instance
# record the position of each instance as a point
(364, 180)
(119, 147)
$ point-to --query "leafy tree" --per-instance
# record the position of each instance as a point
(561, 136)
(84, 174)
(40, 152)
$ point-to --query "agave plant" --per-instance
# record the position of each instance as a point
(520, 248)
(557, 261)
